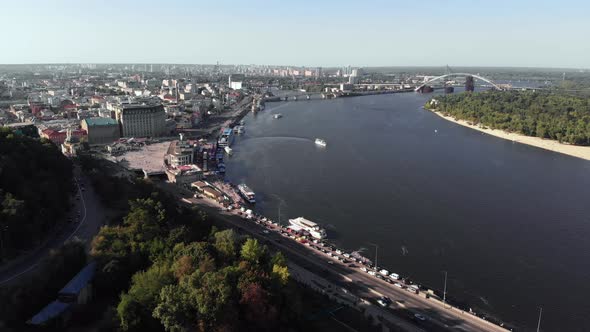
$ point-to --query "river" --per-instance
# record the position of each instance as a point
(509, 223)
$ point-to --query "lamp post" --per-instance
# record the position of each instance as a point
(539, 322)
(445, 290)
(376, 250)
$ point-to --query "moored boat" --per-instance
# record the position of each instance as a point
(247, 193)
(309, 226)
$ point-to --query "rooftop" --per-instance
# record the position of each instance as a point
(80, 280)
(51, 311)
(98, 121)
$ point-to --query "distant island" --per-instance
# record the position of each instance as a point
(552, 121)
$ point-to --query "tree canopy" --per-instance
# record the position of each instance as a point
(35, 187)
(552, 115)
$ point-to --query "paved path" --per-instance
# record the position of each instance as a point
(91, 219)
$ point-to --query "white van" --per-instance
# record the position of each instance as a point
(394, 276)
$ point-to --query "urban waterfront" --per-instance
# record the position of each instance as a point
(508, 222)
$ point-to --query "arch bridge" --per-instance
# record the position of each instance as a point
(496, 86)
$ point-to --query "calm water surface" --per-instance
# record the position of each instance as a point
(508, 222)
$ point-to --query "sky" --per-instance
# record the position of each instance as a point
(363, 33)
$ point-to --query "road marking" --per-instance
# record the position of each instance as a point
(84, 218)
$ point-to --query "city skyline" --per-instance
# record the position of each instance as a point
(303, 33)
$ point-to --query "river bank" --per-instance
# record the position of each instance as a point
(582, 152)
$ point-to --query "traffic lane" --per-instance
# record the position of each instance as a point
(438, 315)
(94, 213)
(435, 316)
(413, 302)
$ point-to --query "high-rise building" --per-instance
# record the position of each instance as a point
(235, 81)
(145, 119)
(319, 72)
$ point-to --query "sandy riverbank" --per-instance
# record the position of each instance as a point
(582, 152)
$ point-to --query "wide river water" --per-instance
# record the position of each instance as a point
(508, 222)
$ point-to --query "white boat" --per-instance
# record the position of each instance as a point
(247, 193)
(228, 150)
(320, 142)
(278, 116)
(240, 129)
(309, 226)
(242, 122)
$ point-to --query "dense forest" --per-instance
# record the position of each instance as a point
(35, 185)
(557, 116)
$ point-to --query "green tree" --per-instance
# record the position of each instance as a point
(213, 295)
(136, 306)
(175, 310)
(226, 243)
(252, 251)
(281, 273)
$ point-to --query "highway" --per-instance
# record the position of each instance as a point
(365, 286)
(83, 226)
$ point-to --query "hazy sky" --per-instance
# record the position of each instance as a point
(534, 33)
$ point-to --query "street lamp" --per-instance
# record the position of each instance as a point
(445, 290)
(376, 250)
(539, 323)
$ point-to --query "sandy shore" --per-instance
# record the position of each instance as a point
(582, 152)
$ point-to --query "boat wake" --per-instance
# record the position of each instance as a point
(405, 251)
(295, 138)
(278, 107)
(483, 299)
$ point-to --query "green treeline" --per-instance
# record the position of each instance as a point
(35, 186)
(558, 116)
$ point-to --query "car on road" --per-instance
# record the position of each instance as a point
(382, 303)
(351, 265)
(330, 262)
(265, 231)
(420, 317)
(373, 273)
(364, 269)
(397, 284)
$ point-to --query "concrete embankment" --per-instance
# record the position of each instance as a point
(582, 152)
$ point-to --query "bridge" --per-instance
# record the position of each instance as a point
(496, 86)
